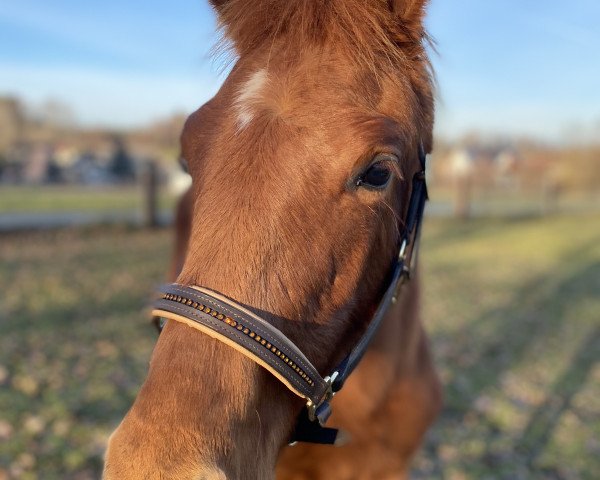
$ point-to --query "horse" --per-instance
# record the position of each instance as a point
(301, 171)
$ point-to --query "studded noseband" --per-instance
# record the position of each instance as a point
(232, 324)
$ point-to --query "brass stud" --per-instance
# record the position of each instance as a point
(263, 341)
(240, 327)
(273, 349)
(200, 306)
(257, 338)
(246, 331)
(220, 316)
(213, 313)
(189, 302)
(195, 305)
(207, 310)
(252, 334)
(269, 346)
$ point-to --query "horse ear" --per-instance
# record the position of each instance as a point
(411, 13)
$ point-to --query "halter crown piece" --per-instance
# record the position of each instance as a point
(242, 330)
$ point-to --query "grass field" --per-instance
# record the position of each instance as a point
(513, 309)
(61, 198)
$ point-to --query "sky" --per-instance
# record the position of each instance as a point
(504, 67)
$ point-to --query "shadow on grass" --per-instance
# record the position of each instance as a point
(456, 230)
(537, 309)
(544, 419)
(501, 338)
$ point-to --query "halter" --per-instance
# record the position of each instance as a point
(232, 324)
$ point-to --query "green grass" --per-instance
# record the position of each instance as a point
(61, 198)
(512, 307)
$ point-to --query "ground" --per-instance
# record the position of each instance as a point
(80, 199)
(512, 307)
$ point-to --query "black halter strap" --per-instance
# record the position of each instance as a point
(234, 325)
(401, 273)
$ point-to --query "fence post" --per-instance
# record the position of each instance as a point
(462, 168)
(462, 197)
(150, 188)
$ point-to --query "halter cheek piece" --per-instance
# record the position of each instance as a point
(242, 330)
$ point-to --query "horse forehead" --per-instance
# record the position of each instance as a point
(249, 95)
(282, 87)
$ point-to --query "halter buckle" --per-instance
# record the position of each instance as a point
(402, 252)
(327, 397)
(405, 273)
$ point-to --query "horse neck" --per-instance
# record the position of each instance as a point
(200, 414)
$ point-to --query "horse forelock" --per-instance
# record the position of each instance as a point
(387, 31)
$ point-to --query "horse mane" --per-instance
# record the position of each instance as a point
(369, 31)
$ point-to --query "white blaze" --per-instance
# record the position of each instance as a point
(248, 95)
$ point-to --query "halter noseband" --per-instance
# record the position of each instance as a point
(242, 330)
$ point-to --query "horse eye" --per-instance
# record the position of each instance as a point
(377, 176)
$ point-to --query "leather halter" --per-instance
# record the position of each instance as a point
(232, 324)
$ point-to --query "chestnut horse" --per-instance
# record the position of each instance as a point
(301, 168)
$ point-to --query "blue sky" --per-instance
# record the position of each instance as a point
(524, 67)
